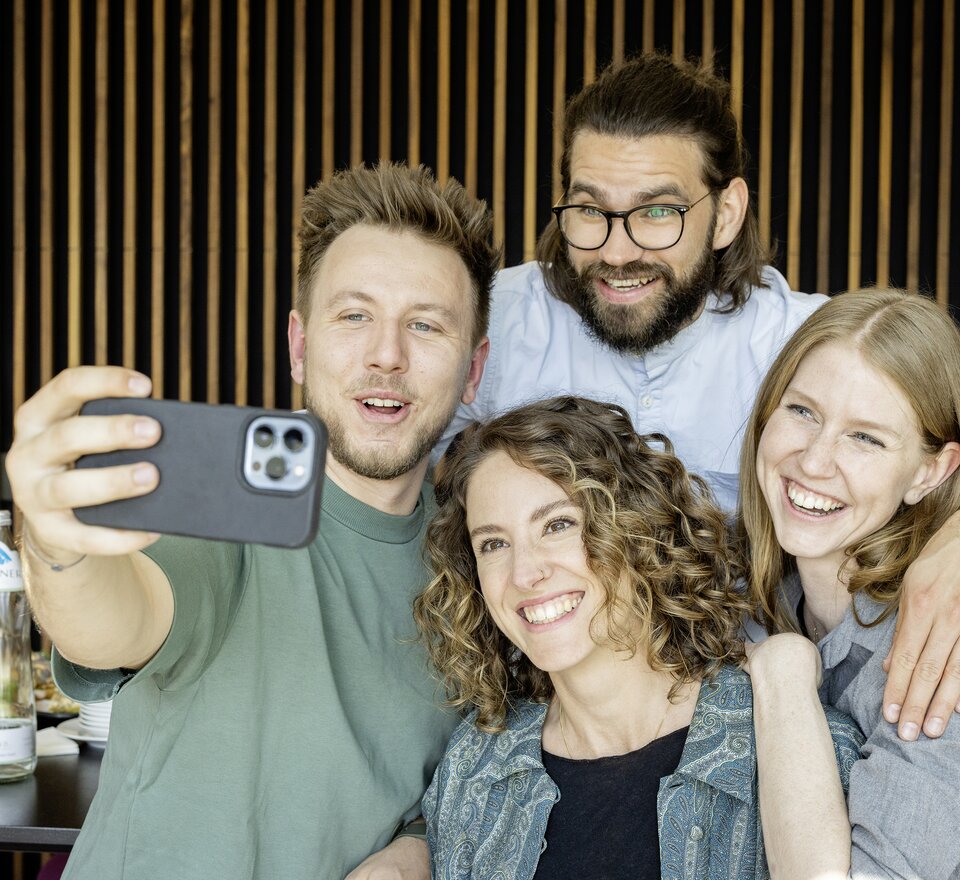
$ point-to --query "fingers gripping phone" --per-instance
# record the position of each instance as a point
(228, 473)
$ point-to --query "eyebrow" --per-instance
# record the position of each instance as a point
(538, 514)
(345, 297)
(640, 197)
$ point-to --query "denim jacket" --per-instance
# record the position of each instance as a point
(490, 799)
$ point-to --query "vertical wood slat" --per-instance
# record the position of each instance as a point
(559, 90)
(327, 87)
(413, 83)
(619, 28)
(241, 306)
(19, 205)
(855, 213)
(679, 29)
(589, 41)
(499, 119)
(736, 59)
(157, 201)
(129, 183)
(185, 318)
(356, 83)
(530, 136)
(269, 331)
(914, 162)
(297, 170)
(766, 123)
(46, 192)
(214, 170)
(885, 148)
(100, 191)
(794, 212)
(648, 12)
(443, 90)
(74, 293)
(472, 109)
(946, 197)
(707, 38)
(826, 135)
(386, 77)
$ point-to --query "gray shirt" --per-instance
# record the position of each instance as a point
(904, 798)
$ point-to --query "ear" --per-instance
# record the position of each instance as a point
(474, 374)
(296, 339)
(934, 472)
(731, 212)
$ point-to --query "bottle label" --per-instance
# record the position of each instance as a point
(18, 739)
(11, 578)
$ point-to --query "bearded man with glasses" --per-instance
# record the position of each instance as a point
(651, 289)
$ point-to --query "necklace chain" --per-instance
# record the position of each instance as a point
(566, 745)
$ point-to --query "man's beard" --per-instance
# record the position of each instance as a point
(637, 328)
(386, 461)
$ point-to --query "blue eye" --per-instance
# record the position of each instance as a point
(799, 410)
(422, 326)
(869, 439)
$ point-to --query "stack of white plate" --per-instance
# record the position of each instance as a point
(95, 719)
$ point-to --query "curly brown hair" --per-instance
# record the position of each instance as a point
(642, 514)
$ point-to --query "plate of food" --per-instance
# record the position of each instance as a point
(52, 704)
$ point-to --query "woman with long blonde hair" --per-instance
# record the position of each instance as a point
(849, 467)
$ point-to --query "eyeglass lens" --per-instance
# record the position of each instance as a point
(654, 227)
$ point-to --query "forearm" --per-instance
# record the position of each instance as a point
(802, 808)
(105, 612)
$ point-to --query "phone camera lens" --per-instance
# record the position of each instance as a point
(294, 440)
(263, 437)
(276, 468)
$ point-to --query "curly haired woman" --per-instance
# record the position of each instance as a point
(584, 610)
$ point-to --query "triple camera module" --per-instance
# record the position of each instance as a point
(278, 453)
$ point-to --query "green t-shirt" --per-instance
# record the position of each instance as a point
(288, 724)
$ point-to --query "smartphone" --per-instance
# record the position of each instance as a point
(228, 473)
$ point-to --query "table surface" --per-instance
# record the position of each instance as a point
(44, 812)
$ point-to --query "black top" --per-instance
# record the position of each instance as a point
(605, 824)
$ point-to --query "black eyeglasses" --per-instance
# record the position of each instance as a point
(651, 227)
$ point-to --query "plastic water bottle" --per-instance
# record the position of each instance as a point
(18, 718)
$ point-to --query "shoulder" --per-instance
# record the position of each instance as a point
(774, 311)
(472, 750)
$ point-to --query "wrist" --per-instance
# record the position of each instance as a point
(54, 560)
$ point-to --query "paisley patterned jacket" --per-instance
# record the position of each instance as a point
(488, 804)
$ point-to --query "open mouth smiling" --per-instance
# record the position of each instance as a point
(550, 610)
(811, 503)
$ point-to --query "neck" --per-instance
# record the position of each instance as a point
(824, 592)
(616, 707)
(397, 496)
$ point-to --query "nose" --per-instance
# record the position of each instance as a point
(619, 249)
(529, 569)
(386, 350)
(818, 458)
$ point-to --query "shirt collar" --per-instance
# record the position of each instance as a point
(720, 749)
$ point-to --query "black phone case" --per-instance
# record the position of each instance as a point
(202, 491)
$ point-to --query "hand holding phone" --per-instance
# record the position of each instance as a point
(226, 472)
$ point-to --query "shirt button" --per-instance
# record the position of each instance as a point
(696, 833)
(646, 401)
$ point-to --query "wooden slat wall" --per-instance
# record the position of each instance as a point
(152, 196)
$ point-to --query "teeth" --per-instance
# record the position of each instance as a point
(380, 401)
(547, 612)
(810, 501)
(626, 283)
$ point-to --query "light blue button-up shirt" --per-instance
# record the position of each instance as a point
(698, 388)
